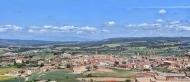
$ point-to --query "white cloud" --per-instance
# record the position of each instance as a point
(159, 20)
(165, 7)
(88, 29)
(62, 29)
(162, 11)
(174, 22)
(131, 25)
(110, 23)
(79, 32)
(143, 24)
(185, 27)
(170, 26)
(67, 28)
(105, 31)
(47, 26)
(3, 29)
(44, 30)
(30, 30)
(158, 25)
(10, 28)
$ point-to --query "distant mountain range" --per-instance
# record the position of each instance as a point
(10, 42)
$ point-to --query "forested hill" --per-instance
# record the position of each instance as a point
(9, 42)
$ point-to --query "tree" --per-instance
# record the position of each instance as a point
(68, 66)
(95, 67)
(124, 62)
(42, 64)
(187, 68)
(128, 80)
(88, 68)
(89, 75)
(116, 63)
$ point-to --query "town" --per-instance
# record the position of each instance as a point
(151, 68)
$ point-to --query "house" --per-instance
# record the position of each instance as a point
(65, 55)
(79, 69)
(19, 60)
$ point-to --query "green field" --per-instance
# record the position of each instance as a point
(112, 45)
(6, 70)
(115, 73)
(13, 80)
(58, 75)
(2, 78)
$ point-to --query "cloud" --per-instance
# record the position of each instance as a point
(110, 23)
(174, 22)
(143, 24)
(131, 25)
(88, 29)
(162, 11)
(159, 20)
(30, 30)
(105, 31)
(44, 29)
(165, 7)
(10, 28)
(170, 26)
(158, 27)
(61, 29)
(185, 27)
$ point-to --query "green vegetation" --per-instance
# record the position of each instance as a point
(163, 69)
(13, 80)
(6, 70)
(117, 46)
(3, 50)
(128, 81)
(115, 73)
(6, 77)
(42, 55)
(112, 45)
(58, 75)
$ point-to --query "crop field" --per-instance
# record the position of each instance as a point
(112, 45)
(12, 80)
(6, 77)
(6, 70)
(58, 75)
(115, 73)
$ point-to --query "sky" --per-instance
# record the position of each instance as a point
(82, 20)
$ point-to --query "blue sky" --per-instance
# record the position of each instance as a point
(68, 20)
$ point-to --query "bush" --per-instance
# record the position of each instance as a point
(128, 80)
(89, 75)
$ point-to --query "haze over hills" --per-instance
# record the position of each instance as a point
(16, 42)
